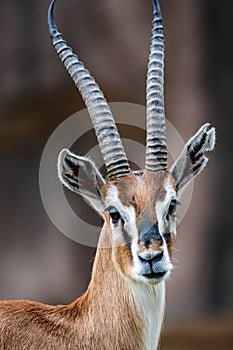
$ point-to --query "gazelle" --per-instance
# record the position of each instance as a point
(123, 307)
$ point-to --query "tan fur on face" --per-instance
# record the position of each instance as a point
(136, 197)
(123, 258)
(171, 244)
(154, 246)
(142, 190)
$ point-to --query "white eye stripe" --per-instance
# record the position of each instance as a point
(128, 214)
(162, 207)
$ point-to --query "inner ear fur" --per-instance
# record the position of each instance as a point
(80, 175)
(193, 159)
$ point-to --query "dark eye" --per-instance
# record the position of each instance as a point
(115, 215)
(172, 208)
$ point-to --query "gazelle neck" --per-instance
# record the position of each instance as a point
(150, 302)
(133, 310)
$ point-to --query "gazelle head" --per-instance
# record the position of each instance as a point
(138, 207)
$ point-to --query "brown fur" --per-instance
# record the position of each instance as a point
(171, 244)
(149, 189)
(154, 246)
(141, 191)
(105, 317)
(88, 323)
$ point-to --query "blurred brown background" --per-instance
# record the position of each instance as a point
(112, 37)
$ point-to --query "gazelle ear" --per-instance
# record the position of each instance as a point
(193, 160)
(80, 175)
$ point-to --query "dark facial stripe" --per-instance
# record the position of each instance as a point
(127, 239)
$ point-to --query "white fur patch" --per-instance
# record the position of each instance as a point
(161, 208)
(127, 213)
(150, 302)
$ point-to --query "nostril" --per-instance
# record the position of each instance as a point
(141, 258)
(149, 257)
(158, 257)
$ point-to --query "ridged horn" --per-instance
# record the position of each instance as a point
(156, 146)
(105, 128)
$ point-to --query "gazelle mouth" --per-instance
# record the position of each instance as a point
(156, 275)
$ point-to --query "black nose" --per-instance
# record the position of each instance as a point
(151, 256)
(148, 232)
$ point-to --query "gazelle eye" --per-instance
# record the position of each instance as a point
(115, 215)
(172, 208)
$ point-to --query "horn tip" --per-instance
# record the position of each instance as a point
(156, 7)
(51, 23)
